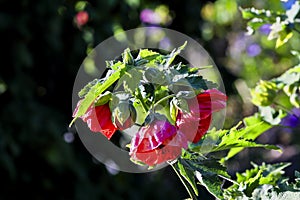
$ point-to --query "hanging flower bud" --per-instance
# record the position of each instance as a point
(264, 93)
(124, 115)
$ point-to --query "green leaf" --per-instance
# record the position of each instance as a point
(130, 80)
(188, 175)
(258, 180)
(173, 54)
(207, 171)
(198, 82)
(186, 94)
(250, 13)
(103, 98)
(87, 88)
(147, 55)
(113, 65)
(127, 57)
(155, 76)
(94, 92)
(234, 139)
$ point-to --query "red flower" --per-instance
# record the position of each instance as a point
(81, 18)
(98, 119)
(196, 123)
(157, 142)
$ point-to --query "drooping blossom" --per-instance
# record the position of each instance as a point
(98, 119)
(195, 123)
(81, 18)
(157, 142)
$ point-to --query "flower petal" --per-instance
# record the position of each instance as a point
(98, 119)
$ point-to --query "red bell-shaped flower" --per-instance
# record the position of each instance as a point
(157, 142)
(98, 119)
(196, 123)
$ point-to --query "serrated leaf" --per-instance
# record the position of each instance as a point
(189, 176)
(173, 54)
(94, 92)
(155, 76)
(114, 66)
(186, 94)
(87, 88)
(130, 80)
(127, 57)
(198, 82)
(211, 182)
(234, 139)
(208, 171)
(148, 55)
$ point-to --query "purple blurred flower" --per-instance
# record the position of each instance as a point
(287, 4)
(149, 16)
(265, 29)
(292, 120)
(69, 137)
(253, 50)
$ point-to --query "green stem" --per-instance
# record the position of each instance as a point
(140, 97)
(184, 184)
(163, 99)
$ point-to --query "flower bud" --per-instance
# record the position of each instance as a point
(264, 93)
(124, 115)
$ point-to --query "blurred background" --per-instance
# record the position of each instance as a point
(43, 44)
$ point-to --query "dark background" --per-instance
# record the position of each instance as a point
(41, 51)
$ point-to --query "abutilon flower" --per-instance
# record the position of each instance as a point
(196, 123)
(98, 119)
(157, 142)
